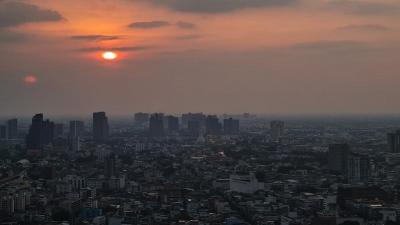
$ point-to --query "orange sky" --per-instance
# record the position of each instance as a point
(267, 51)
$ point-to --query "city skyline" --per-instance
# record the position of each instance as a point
(267, 57)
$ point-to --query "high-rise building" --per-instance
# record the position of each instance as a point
(194, 128)
(156, 125)
(187, 117)
(173, 123)
(110, 169)
(394, 141)
(41, 133)
(277, 129)
(76, 128)
(12, 128)
(100, 127)
(231, 126)
(58, 130)
(338, 156)
(3, 132)
(141, 119)
(358, 168)
(213, 126)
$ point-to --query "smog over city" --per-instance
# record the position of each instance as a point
(199, 112)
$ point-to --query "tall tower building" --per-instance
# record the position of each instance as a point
(277, 129)
(100, 127)
(187, 117)
(394, 141)
(358, 168)
(110, 166)
(12, 128)
(231, 126)
(141, 119)
(3, 132)
(156, 125)
(338, 157)
(41, 133)
(173, 123)
(76, 128)
(213, 126)
(58, 130)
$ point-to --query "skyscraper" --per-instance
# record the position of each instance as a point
(58, 130)
(76, 128)
(110, 169)
(231, 126)
(358, 168)
(187, 117)
(100, 127)
(277, 129)
(3, 132)
(213, 126)
(338, 157)
(141, 119)
(394, 141)
(12, 128)
(156, 125)
(173, 123)
(40, 133)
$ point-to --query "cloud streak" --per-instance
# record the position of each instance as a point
(18, 13)
(149, 24)
(218, 6)
(96, 37)
(121, 49)
(364, 27)
(365, 7)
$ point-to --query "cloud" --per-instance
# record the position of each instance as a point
(161, 23)
(121, 49)
(189, 37)
(185, 25)
(96, 37)
(364, 27)
(365, 7)
(8, 36)
(17, 13)
(327, 45)
(217, 6)
(149, 24)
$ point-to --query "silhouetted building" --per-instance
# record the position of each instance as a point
(58, 130)
(187, 117)
(358, 168)
(338, 156)
(194, 128)
(277, 129)
(12, 129)
(76, 128)
(394, 142)
(40, 133)
(213, 126)
(141, 119)
(231, 126)
(110, 169)
(100, 127)
(3, 132)
(156, 125)
(173, 123)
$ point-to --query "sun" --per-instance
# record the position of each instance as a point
(109, 55)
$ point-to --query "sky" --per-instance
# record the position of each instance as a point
(216, 56)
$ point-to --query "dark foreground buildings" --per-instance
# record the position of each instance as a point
(100, 127)
(41, 133)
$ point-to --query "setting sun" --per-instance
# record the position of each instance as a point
(109, 55)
